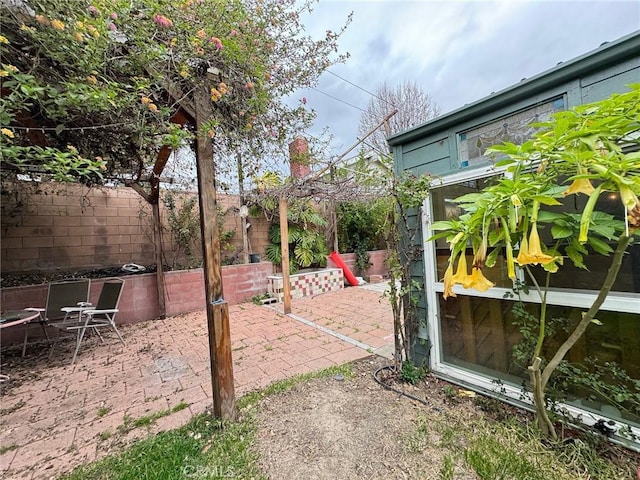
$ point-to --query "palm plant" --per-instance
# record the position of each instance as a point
(307, 245)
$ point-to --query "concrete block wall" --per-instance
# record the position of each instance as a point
(49, 227)
(66, 227)
(259, 235)
(52, 226)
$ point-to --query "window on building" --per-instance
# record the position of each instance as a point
(477, 336)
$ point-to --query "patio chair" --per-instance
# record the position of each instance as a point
(59, 294)
(87, 316)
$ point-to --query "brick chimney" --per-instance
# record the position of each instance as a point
(299, 157)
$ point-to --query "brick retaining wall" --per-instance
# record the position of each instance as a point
(139, 301)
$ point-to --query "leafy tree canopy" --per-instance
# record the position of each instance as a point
(94, 87)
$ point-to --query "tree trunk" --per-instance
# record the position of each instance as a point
(539, 379)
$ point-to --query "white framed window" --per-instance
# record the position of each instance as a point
(475, 335)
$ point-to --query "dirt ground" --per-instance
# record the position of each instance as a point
(351, 428)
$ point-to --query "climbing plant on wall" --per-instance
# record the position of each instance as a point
(405, 248)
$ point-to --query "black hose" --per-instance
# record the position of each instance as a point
(400, 392)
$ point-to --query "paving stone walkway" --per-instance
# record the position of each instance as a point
(54, 416)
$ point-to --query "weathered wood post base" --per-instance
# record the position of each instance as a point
(220, 351)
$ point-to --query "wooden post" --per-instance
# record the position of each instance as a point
(245, 233)
(157, 240)
(334, 214)
(153, 199)
(217, 307)
(284, 243)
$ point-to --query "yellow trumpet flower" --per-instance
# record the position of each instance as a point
(629, 199)
(585, 220)
(515, 200)
(462, 277)
(476, 280)
(448, 283)
(456, 239)
(481, 254)
(531, 252)
(511, 268)
(479, 281)
(580, 185)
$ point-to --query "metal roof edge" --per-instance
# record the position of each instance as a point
(608, 53)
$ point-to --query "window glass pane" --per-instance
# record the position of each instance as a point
(484, 336)
(568, 276)
(480, 334)
(444, 209)
(516, 128)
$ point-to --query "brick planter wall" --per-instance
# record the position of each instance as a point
(139, 301)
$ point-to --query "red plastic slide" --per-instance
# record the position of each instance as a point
(346, 271)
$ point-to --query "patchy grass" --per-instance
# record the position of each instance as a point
(419, 439)
(8, 448)
(146, 420)
(466, 441)
(282, 386)
(102, 411)
(204, 448)
(507, 449)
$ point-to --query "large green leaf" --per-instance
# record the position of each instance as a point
(273, 253)
(304, 256)
(559, 231)
(576, 257)
(599, 246)
(442, 225)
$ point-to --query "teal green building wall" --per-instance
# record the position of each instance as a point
(433, 147)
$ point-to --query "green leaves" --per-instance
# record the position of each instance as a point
(87, 67)
(583, 146)
(561, 231)
(411, 190)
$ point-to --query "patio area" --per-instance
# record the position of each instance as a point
(55, 416)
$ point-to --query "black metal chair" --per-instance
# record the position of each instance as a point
(59, 295)
(87, 316)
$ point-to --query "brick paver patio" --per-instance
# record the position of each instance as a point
(55, 416)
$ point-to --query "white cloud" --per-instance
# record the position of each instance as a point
(458, 51)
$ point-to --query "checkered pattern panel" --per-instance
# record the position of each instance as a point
(308, 284)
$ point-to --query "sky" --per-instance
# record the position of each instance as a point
(456, 51)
